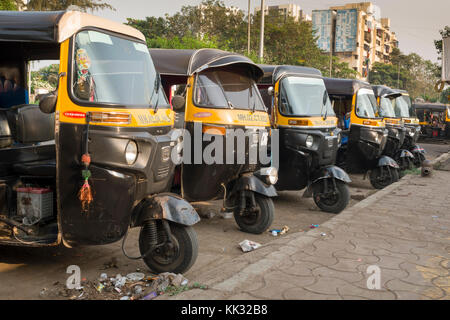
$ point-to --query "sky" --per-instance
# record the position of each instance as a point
(416, 22)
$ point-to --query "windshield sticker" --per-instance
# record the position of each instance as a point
(252, 117)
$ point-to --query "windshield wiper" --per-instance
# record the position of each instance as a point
(230, 104)
(251, 97)
(324, 101)
(156, 88)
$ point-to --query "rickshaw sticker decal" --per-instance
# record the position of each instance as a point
(252, 117)
(202, 114)
(74, 114)
(146, 118)
(83, 64)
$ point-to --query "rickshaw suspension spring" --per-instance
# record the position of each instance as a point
(151, 230)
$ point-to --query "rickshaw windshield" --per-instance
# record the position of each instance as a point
(386, 108)
(366, 104)
(220, 88)
(112, 70)
(402, 107)
(304, 97)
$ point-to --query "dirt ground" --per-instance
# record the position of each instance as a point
(26, 272)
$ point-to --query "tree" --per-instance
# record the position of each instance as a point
(8, 5)
(409, 72)
(212, 24)
(53, 5)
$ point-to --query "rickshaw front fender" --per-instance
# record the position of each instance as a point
(165, 206)
(253, 183)
(325, 173)
(406, 154)
(387, 161)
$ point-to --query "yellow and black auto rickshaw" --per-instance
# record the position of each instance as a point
(300, 109)
(219, 109)
(396, 128)
(364, 133)
(93, 159)
(403, 108)
(434, 119)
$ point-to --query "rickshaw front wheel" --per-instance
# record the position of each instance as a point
(333, 202)
(381, 177)
(259, 220)
(176, 256)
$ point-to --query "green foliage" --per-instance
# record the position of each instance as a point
(45, 78)
(409, 72)
(186, 42)
(444, 96)
(8, 5)
(52, 5)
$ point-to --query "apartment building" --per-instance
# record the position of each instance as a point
(287, 10)
(356, 33)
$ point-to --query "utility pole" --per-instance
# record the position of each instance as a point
(248, 29)
(261, 37)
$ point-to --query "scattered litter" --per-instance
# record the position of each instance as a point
(135, 276)
(434, 217)
(100, 287)
(313, 226)
(276, 232)
(138, 290)
(103, 277)
(248, 245)
(323, 234)
(134, 286)
(150, 296)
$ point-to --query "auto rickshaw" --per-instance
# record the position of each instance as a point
(364, 133)
(434, 119)
(300, 109)
(92, 159)
(215, 97)
(395, 126)
(403, 108)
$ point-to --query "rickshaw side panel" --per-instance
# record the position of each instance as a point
(108, 216)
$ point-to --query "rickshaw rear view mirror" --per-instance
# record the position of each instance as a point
(47, 102)
(178, 103)
(270, 91)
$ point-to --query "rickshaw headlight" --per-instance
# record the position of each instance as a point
(411, 132)
(272, 175)
(309, 141)
(339, 138)
(131, 152)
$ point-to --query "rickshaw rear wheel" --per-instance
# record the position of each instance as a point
(418, 159)
(177, 258)
(335, 202)
(257, 221)
(381, 181)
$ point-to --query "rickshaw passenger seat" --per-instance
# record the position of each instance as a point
(29, 124)
(36, 168)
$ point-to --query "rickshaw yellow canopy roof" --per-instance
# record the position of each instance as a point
(55, 26)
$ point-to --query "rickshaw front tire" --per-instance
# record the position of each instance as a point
(381, 185)
(265, 219)
(186, 237)
(343, 193)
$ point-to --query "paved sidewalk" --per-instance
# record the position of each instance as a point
(403, 229)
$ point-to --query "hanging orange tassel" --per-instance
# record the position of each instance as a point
(85, 196)
(85, 193)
